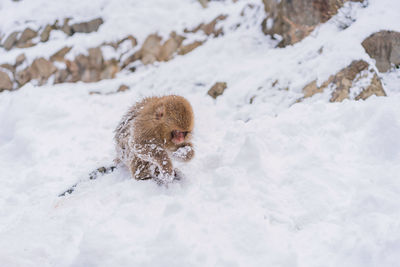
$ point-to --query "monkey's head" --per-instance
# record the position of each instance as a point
(176, 115)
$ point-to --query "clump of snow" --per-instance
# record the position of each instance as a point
(273, 183)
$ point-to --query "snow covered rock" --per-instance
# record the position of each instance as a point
(296, 19)
(357, 81)
(384, 47)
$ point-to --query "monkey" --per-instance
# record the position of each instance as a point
(153, 131)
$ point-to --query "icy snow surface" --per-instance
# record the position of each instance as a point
(273, 183)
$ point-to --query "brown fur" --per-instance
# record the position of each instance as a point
(144, 137)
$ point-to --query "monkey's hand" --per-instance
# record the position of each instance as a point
(159, 157)
(185, 152)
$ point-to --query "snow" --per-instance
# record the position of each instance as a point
(273, 183)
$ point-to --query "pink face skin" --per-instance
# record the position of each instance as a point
(178, 137)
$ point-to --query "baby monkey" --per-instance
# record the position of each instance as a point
(152, 131)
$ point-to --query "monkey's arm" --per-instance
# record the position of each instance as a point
(184, 152)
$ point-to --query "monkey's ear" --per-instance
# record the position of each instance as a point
(160, 112)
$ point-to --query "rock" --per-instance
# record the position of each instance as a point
(209, 28)
(10, 41)
(357, 75)
(87, 27)
(73, 68)
(23, 76)
(375, 88)
(131, 58)
(66, 28)
(94, 93)
(296, 19)
(183, 50)
(110, 70)
(8, 67)
(203, 3)
(384, 47)
(5, 82)
(20, 59)
(90, 75)
(44, 36)
(60, 54)
(123, 88)
(130, 38)
(82, 62)
(115, 45)
(170, 47)
(217, 89)
(150, 50)
(41, 69)
(89, 68)
(61, 76)
(27, 35)
(311, 89)
(95, 58)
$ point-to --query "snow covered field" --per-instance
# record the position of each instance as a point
(273, 183)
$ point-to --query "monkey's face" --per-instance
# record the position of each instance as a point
(175, 114)
(178, 137)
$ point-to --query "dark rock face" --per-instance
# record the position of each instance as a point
(346, 79)
(217, 89)
(384, 47)
(296, 19)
